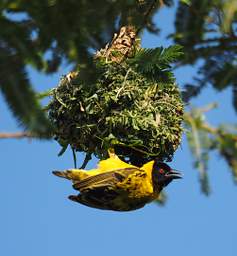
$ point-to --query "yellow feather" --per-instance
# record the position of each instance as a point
(147, 167)
(72, 174)
(114, 185)
(109, 164)
(112, 164)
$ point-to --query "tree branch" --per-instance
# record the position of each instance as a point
(17, 135)
(147, 14)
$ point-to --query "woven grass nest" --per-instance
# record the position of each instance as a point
(136, 112)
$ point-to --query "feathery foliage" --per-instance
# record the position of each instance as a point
(207, 31)
(155, 63)
(30, 35)
(21, 98)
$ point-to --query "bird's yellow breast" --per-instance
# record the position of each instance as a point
(137, 185)
(134, 193)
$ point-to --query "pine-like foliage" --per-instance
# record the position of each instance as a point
(155, 63)
(15, 48)
(43, 33)
(207, 31)
(30, 35)
(21, 98)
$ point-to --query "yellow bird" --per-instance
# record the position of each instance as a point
(118, 186)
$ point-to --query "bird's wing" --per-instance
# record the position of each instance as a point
(106, 179)
(88, 200)
(72, 174)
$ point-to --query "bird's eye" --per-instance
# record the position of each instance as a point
(161, 171)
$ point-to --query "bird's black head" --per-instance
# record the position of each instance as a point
(162, 174)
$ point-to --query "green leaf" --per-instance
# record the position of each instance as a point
(63, 150)
(187, 2)
(156, 63)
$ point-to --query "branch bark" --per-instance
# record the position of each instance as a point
(16, 135)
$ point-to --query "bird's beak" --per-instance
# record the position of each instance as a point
(173, 174)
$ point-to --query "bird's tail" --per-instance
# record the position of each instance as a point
(73, 174)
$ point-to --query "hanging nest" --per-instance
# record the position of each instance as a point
(134, 106)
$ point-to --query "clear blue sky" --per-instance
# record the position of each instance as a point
(37, 219)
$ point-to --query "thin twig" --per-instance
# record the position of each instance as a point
(74, 157)
(147, 14)
(86, 160)
(123, 85)
(197, 151)
(16, 135)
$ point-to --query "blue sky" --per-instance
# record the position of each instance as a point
(37, 219)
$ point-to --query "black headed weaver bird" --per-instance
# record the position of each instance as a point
(119, 186)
